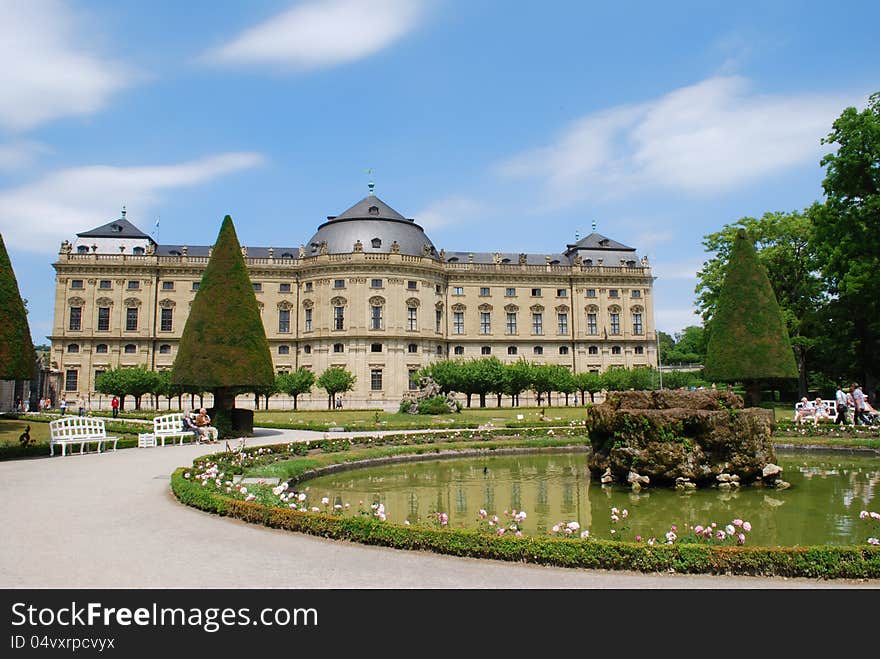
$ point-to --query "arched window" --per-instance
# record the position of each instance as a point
(101, 348)
(640, 350)
(563, 350)
(73, 347)
(458, 350)
(439, 350)
(138, 250)
(130, 349)
(615, 350)
(538, 350)
(486, 350)
(511, 350)
(307, 349)
(338, 347)
(412, 348)
(164, 349)
(287, 255)
(593, 350)
(283, 350)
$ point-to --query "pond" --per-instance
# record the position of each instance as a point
(828, 490)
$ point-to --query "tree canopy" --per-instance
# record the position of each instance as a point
(17, 355)
(295, 384)
(748, 341)
(335, 380)
(223, 347)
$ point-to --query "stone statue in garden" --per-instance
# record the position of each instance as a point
(430, 390)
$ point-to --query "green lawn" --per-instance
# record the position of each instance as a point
(379, 420)
(10, 429)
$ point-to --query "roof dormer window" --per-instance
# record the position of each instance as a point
(373, 210)
(82, 249)
(116, 228)
(138, 250)
(377, 242)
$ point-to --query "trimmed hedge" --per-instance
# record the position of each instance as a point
(826, 562)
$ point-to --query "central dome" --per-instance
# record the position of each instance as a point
(377, 226)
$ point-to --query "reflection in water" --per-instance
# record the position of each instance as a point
(822, 506)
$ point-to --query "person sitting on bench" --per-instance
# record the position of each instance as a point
(204, 428)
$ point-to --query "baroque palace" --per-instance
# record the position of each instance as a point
(369, 292)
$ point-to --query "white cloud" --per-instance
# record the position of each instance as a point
(46, 71)
(20, 155)
(449, 211)
(315, 34)
(710, 136)
(37, 216)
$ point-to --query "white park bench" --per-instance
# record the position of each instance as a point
(82, 430)
(830, 410)
(170, 426)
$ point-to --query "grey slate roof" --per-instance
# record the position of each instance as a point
(370, 208)
(202, 250)
(599, 242)
(120, 228)
(506, 258)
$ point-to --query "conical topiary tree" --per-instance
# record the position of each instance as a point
(223, 348)
(17, 356)
(748, 341)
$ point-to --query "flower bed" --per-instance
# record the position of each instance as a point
(208, 485)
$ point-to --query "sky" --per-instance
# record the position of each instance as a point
(498, 126)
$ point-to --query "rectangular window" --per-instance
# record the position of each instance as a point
(615, 323)
(375, 347)
(308, 317)
(167, 320)
(284, 288)
(458, 322)
(412, 285)
(339, 318)
(71, 378)
(485, 322)
(537, 323)
(338, 283)
(561, 292)
(458, 290)
(511, 322)
(637, 323)
(376, 317)
(613, 292)
(75, 319)
(510, 292)
(131, 319)
(284, 321)
(195, 286)
(105, 284)
(486, 350)
(536, 292)
(591, 292)
(134, 285)
(258, 288)
(167, 285)
(376, 379)
(76, 283)
(562, 323)
(309, 287)
(438, 320)
(413, 379)
(375, 283)
(484, 291)
(592, 326)
(636, 293)
(103, 319)
(412, 320)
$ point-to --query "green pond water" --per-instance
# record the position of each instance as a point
(828, 490)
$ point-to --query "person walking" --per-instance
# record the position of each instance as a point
(63, 405)
(80, 405)
(859, 405)
(114, 404)
(840, 402)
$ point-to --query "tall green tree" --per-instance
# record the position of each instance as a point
(124, 382)
(17, 355)
(785, 246)
(335, 380)
(848, 232)
(223, 348)
(748, 340)
(517, 379)
(588, 383)
(296, 384)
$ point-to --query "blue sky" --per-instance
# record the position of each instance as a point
(498, 126)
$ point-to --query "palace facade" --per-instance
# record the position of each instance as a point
(369, 292)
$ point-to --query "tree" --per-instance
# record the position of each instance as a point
(563, 381)
(164, 387)
(543, 381)
(124, 382)
(446, 373)
(785, 246)
(334, 381)
(590, 383)
(17, 356)
(847, 235)
(517, 378)
(295, 384)
(223, 348)
(748, 341)
(483, 376)
(616, 378)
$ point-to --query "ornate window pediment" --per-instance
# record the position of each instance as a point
(636, 309)
(511, 308)
(484, 308)
(338, 301)
(438, 306)
(537, 308)
(308, 304)
(413, 302)
(459, 308)
(76, 302)
(562, 308)
(614, 309)
(591, 308)
(284, 305)
(377, 301)
(131, 302)
(104, 302)
(167, 304)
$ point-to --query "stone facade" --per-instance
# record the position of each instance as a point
(378, 310)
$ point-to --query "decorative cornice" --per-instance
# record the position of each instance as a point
(511, 308)
(104, 302)
(537, 308)
(459, 307)
(377, 301)
(485, 308)
(308, 304)
(413, 302)
(562, 308)
(131, 302)
(338, 301)
(76, 302)
(284, 305)
(167, 303)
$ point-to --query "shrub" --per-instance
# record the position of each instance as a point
(435, 405)
(405, 404)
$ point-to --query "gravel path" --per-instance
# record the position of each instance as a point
(110, 521)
